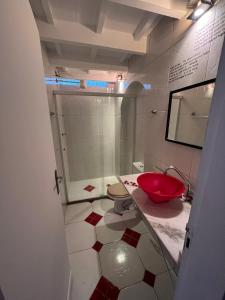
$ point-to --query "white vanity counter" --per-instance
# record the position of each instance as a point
(167, 219)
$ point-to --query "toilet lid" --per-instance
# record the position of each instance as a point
(118, 190)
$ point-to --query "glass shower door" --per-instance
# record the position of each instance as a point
(87, 133)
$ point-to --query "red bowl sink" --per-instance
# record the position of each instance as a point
(160, 187)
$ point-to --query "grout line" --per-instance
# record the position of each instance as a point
(78, 251)
(139, 281)
(99, 261)
(156, 294)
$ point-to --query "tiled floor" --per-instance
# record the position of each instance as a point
(89, 188)
(114, 257)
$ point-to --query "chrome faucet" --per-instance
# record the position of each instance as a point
(186, 181)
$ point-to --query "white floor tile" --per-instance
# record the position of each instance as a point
(103, 206)
(110, 218)
(85, 274)
(80, 236)
(134, 221)
(110, 229)
(164, 287)
(151, 255)
(121, 264)
(140, 290)
(77, 212)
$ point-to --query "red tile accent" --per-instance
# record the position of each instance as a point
(97, 246)
(97, 295)
(105, 290)
(131, 183)
(89, 188)
(131, 237)
(93, 218)
(149, 278)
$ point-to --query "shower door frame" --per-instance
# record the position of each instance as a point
(94, 94)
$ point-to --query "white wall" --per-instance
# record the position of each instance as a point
(171, 43)
(33, 257)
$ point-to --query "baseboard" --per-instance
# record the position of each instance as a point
(69, 287)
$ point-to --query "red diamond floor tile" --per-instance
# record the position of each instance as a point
(131, 237)
(93, 218)
(149, 278)
(105, 290)
(97, 246)
(89, 188)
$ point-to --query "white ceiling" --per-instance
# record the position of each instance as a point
(101, 34)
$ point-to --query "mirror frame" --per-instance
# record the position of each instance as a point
(169, 110)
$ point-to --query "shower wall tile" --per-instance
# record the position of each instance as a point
(79, 105)
(82, 127)
(108, 158)
(90, 128)
(108, 127)
(139, 139)
(108, 106)
(117, 143)
(118, 103)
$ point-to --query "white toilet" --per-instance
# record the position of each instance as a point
(122, 200)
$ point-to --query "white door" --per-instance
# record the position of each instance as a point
(202, 272)
(33, 255)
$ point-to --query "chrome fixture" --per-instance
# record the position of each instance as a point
(58, 180)
(155, 111)
(186, 181)
(194, 115)
(202, 7)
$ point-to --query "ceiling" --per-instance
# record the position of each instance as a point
(100, 34)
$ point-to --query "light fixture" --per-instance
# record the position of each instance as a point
(202, 7)
(120, 77)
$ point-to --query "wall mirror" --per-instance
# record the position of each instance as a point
(188, 113)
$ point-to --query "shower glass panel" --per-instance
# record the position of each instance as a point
(97, 138)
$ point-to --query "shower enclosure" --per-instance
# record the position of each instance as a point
(97, 135)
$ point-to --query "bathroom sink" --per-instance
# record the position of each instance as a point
(160, 187)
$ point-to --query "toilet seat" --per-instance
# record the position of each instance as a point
(118, 190)
(122, 200)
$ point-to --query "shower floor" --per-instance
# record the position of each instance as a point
(89, 188)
